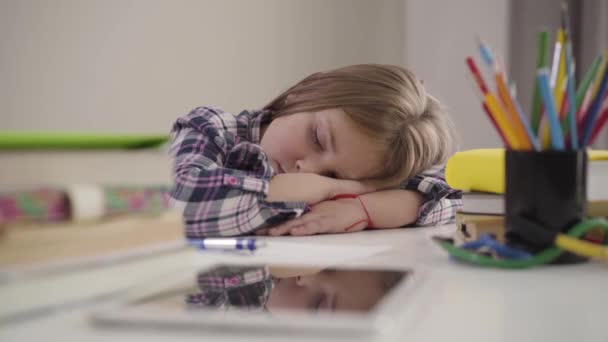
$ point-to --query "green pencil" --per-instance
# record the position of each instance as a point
(582, 89)
(589, 76)
(541, 62)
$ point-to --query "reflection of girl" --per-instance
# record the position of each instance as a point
(224, 287)
(294, 289)
(332, 290)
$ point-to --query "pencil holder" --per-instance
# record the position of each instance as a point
(546, 193)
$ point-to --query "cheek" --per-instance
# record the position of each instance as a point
(284, 144)
(290, 296)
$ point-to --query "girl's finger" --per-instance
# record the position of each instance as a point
(286, 226)
(282, 229)
(309, 228)
(262, 231)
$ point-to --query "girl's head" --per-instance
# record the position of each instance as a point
(332, 290)
(358, 122)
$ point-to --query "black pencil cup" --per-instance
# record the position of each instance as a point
(546, 193)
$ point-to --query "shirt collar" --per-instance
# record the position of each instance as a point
(257, 119)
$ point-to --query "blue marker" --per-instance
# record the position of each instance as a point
(227, 244)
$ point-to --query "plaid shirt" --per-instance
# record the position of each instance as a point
(222, 177)
(226, 287)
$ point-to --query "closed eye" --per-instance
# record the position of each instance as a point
(318, 145)
(315, 138)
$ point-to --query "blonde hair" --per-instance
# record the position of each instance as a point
(388, 103)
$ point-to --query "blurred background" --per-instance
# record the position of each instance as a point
(133, 66)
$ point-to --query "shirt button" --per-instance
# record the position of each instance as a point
(232, 180)
(232, 281)
(219, 141)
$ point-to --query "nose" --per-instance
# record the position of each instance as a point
(306, 166)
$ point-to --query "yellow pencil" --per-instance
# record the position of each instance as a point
(518, 127)
(501, 120)
(556, 80)
(558, 90)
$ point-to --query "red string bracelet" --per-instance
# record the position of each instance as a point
(370, 224)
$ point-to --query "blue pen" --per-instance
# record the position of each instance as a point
(555, 130)
(227, 244)
(524, 121)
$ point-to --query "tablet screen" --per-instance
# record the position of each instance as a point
(275, 289)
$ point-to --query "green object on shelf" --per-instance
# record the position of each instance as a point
(60, 140)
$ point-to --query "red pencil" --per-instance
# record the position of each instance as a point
(477, 75)
(603, 118)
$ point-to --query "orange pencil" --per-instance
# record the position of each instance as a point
(498, 117)
(494, 123)
(518, 126)
(503, 93)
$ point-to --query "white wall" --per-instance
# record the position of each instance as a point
(135, 65)
(439, 35)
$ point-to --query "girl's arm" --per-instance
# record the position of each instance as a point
(387, 209)
(311, 188)
(393, 208)
(423, 200)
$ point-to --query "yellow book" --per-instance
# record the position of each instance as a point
(484, 170)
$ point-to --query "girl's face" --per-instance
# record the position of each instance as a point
(329, 291)
(326, 142)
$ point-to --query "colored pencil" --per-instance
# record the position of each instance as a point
(558, 86)
(570, 69)
(501, 120)
(493, 106)
(541, 62)
(522, 117)
(557, 54)
(590, 94)
(505, 97)
(594, 109)
(494, 123)
(583, 87)
(555, 81)
(601, 121)
(557, 140)
(477, 75)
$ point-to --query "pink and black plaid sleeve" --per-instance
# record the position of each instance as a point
(226, 287)
(221, 178)
(441, 202)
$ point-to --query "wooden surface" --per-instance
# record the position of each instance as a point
(30, 245)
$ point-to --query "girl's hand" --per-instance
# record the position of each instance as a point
(339, 216)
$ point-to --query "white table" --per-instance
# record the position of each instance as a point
(456, 302)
